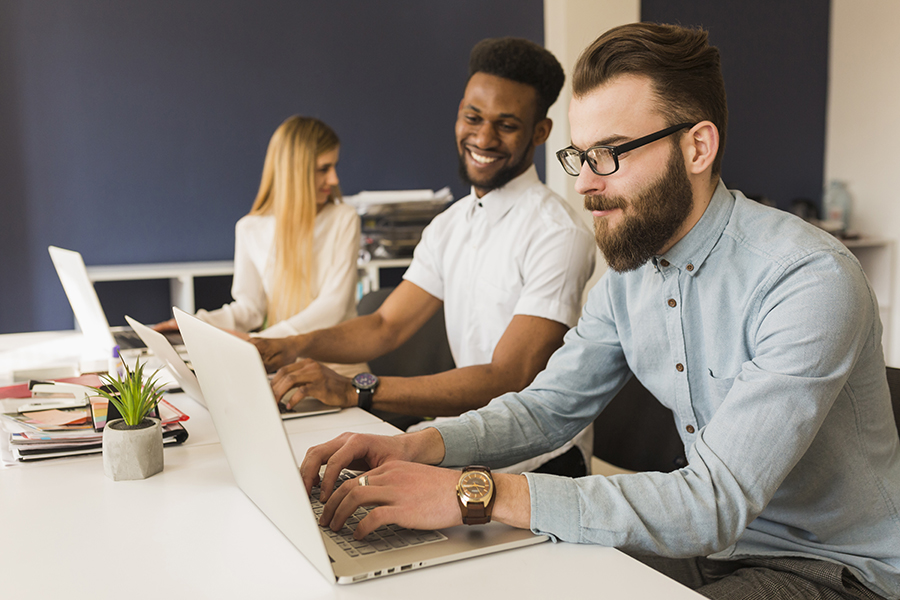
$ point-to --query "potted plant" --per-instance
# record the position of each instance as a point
(132, 445)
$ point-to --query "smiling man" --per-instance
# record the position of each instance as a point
(508, 263)
(759, 331)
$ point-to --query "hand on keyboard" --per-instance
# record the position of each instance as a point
(383, 539)
(362, 452)
(398, 493)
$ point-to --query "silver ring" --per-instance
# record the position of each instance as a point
(363, 480)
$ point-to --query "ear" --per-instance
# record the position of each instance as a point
(700, 147)
(541, 131)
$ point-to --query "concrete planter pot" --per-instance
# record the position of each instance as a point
(132, 453)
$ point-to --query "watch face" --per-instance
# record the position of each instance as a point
(476, 486)
(365, 381)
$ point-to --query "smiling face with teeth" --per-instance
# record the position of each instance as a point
(497, 131)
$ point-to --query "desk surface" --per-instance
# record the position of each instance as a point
(65, 533)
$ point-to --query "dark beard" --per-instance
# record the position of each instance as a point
(649, 220)
(500, 178)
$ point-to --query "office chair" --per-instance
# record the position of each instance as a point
(637, 433)
(427, 352)
(893, 379)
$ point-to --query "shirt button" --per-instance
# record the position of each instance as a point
(664, 263)
(679, 367)
(672, 302)
(690, 267)
(690, 429)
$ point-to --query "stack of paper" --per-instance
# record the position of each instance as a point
(392, 221)
(367, 199)
(30, 435)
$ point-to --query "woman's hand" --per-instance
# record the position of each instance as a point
(166, 326)
(277, 352)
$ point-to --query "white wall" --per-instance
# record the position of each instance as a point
(862, 143)
(569, 27)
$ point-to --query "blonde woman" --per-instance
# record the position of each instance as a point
(295, 251)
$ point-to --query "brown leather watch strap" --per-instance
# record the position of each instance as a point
(477, 513)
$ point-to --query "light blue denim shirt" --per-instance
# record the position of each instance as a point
(762, 335)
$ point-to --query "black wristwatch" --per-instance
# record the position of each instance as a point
(365, 384)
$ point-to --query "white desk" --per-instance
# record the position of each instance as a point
(64, 530)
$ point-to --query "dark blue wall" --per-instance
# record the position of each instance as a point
(135, 131)
(775, 63)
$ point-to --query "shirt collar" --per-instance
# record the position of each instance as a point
(690, 252)
(499, 201)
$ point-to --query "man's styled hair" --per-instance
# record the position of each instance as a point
(523, 61)
(685, 71)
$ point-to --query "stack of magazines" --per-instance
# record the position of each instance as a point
(33, 431)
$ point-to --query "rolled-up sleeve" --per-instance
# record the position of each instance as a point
(557, 266)
(762, 428)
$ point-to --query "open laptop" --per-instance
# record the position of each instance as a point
(86, 305)
(185, 378)
(243, 410)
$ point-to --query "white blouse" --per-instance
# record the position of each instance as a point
(335, 250)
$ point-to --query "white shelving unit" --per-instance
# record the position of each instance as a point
(181, 275)
(370, 275)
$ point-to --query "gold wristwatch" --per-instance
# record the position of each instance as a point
(475, 493)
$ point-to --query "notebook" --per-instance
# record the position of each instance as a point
(85, 304)
(240, 400)
(185, 378)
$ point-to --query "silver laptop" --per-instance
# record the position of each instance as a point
(86, 306)
(242, 406)
(185, 378)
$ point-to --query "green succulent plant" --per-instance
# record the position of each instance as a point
(132, 396)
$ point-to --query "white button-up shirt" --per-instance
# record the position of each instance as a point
(518, 250)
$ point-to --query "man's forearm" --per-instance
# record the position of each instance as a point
(354, 341)
(519, 356)
(513, 504)
(446, 394)
(426, 446)
(364, 338)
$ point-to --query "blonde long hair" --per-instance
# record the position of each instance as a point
(287, 191)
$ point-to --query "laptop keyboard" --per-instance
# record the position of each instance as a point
(383, 539)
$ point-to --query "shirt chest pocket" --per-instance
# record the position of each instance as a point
(717, 388)
(496, 298)
(494, 307)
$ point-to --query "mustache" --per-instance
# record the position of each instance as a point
(600, 203)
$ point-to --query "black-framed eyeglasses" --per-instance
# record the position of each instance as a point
(604, 160)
